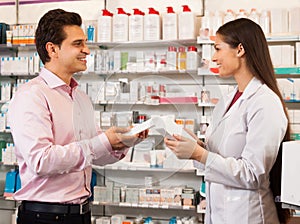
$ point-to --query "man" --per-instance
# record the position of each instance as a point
(52, 123)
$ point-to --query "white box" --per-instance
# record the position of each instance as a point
(298, 53)
(275, 53)
(117, 61)
(287, 58)
(279, 20)
(290, 184)
(294, 18)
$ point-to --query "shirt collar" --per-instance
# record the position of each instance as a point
(54, 81)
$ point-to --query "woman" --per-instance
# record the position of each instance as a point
(243, 140)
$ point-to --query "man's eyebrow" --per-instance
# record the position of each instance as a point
(79, 40)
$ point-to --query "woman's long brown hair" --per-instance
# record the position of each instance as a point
(259, 62)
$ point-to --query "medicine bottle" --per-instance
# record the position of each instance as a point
(152, 25)
(172, 58)
(136, 25)
(192, 58)
(264, 21)
(254, 15)
(120, 26)
(241, 14)
(203, 125)
(181, 58)
(229, 16)
(104, 26)
(186, 23)
(169, 25)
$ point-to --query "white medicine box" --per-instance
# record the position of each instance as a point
(290, 182)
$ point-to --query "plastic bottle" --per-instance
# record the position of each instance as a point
(169, 25)
(91, 33)
(120, 26)
(192, 58)
(136, 25)
(254, 15)
(104, 26)
(181, 58)
(172, 58)
(206, 26)
(241, 14)
(229, 16)
(186, 24)
(264, 21)
(152, 26)
(217, 21)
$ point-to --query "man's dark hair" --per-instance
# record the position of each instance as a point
(51, 29)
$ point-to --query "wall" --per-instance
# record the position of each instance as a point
(248, 4)
(90, 9)
(30, 13)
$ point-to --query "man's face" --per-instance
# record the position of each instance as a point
(73, 50)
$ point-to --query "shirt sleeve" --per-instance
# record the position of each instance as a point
(32, 129)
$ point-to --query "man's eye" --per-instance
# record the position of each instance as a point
(78, 43)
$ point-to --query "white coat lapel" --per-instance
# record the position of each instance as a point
(221, 113)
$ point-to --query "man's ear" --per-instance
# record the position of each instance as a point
(51, 49)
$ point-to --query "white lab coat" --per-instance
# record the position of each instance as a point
(243, 144)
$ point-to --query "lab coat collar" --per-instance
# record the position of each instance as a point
(251, 88)
(249, 91)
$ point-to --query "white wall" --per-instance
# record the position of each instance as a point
(31, 13)
(248, 4)
(90, 9)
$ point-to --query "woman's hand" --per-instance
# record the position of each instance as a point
(199, 142)
(184, 148)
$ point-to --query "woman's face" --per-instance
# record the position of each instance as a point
(227, 59)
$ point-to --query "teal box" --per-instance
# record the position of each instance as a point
(287, 71)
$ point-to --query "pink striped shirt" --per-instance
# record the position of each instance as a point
(56, 140)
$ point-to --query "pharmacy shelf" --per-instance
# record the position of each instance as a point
(204, 41)
(290, 206)
(126, 44)
(6, 132)
(127, 166)
(13, 75)
(137, 205)
(149, 72)
(8, 164)
(295, 76)
(206, 72)
(16, 47)
(293, 104)
(288, 37)
(283, 38)
(105, 102)
(137, 44)
(124, 102)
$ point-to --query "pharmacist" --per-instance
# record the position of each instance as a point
(244, 137)
(56, 138)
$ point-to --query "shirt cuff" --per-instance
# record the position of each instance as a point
(103, 142)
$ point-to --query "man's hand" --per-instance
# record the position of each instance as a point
(120, 141)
